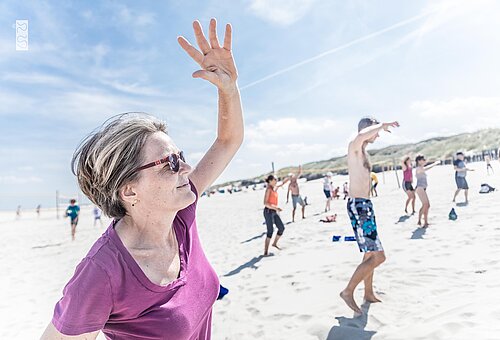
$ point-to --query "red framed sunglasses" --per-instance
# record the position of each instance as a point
(173, 161)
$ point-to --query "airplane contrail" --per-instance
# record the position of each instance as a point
(340, 48)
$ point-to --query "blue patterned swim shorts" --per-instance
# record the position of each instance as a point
(363, 223)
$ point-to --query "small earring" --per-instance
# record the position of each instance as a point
(135, 202)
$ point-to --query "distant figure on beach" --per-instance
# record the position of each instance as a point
(460, 176)
(345, 189)
(327, 190)
(374, 182)
(335, 193)
(293, 188)
(487, 159)
(73, 212)
(408, 184)
(18, 212)
(271, 212)
(329, 219)
(97, 215)
(360, 210)
(38, 207)
(147, 276)
(421, 190)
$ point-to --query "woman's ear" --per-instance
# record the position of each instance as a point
(128, 194)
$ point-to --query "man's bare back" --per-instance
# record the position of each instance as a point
(359, 168)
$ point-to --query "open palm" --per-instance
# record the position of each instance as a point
(216, 62)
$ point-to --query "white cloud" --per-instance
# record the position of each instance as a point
(25, 168)
(446, 10)
(459, 114)
(281, 12)
(36, 78)
(289, 127)
(291, 141)
(19, 179)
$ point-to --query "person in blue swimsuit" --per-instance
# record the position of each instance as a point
(73, 211)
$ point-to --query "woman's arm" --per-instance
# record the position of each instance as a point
(51, 333)
(283, 183)
(430, 166)
(218, 67)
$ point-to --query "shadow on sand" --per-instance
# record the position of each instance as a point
(254, 238)
(352, 328)
(402, 219)
(462, 204)
(249, 264)
(418, 233)
(47, 246)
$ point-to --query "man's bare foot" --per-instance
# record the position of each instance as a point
(349, 300)
(419, 223)
(425, 225)
(372, 298)
(276, 246)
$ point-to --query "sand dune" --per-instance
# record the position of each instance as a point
(438, 283)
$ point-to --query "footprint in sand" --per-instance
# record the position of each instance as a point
(254, 311)
(304, 317)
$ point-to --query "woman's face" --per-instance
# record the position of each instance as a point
(159, 188)
(421, 162)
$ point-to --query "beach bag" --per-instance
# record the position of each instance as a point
(452, 215)
(486, 188)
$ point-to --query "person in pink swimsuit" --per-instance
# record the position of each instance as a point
(147, 276)
(408, 184)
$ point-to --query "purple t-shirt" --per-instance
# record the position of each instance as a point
(110, 292)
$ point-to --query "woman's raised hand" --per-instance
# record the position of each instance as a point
(216, 62)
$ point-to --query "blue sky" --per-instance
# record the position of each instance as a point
(432, 65)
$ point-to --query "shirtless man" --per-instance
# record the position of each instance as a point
(360, 210)
(293, 187)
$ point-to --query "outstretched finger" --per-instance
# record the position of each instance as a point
(193, 52)
(200, 38)
(212, 34)
(228, 37)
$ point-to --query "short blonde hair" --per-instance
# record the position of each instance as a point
(107, 158)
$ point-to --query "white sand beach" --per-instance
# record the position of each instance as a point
(437, 283)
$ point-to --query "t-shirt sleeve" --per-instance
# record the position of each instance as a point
(87, 301)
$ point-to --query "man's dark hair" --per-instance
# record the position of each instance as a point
(460, 153)
(366, 122)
